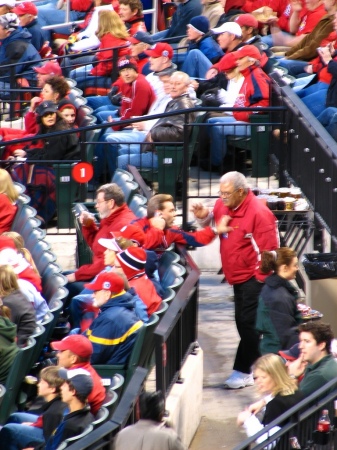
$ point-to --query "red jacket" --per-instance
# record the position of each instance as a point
(81, 5)
(135, 24)
(137, 98)
(122, 216)
(156, 238)
(7, 213)
(104, 57)
(254, 92)
(254, 230)
(146, 292)
(97, 395)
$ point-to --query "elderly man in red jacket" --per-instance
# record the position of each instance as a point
(251, 229)
(114, 214)
(254, 92)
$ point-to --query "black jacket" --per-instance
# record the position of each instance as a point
(331, 97)
(171, 129)
(22, 314)
(52, 413)
(277, 315)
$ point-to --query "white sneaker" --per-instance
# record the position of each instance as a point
(239, 380)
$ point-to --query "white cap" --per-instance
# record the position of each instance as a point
(9, 3)
(230, 27)
(111, 244)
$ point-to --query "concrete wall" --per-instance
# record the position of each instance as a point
(185, 399)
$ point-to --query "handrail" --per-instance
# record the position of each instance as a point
(293, 416)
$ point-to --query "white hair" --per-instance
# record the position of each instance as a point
(236, 178)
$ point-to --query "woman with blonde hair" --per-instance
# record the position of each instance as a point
(277, 317)
(112, 33)
(8, 198)
(21, 310)
(20, 246)
(280, 394)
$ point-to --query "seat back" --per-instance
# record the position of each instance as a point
(138, 205)
(38, 335)
(110, 401)
(169, 295)
(101, 417)
(2, 393)
(165, 261)
(148, 343)
(30, 224)
(49, 271)
(73, 439)
(66, 190)
(35, 236)
(162, 309)
(55, 281)
(42, 258)
(17, 372)
(23, 213)
(117, 382)
(56, 306)
(173, 276)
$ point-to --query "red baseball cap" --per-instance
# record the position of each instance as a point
(108, 281)
(25, 8)
(247, 20)
(76, 343)
(160, 49)
(228, 62)
(50, 68)
(247, 50)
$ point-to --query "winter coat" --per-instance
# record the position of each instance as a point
(277, 315)
(22, 314)
(105, 56)
(114, 332)
(7, 213)
(208, 47)
(17, 48)
(254, 230)
(181, 18)
(118, 219)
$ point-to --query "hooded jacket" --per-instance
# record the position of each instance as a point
(277, 315)
(17, 48)
(208, 47)
(118, 219)
(114, 331)
(8, 347)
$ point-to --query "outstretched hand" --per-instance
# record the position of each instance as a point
(222, 226)
(199, 210)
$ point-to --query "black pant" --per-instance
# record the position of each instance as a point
(246, 296)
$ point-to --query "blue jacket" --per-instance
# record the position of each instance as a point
(114, 331)
(181, 18)
(37, 34)
(208, 46)
(17, 48)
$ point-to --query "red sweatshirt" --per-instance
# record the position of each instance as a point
(108, 42)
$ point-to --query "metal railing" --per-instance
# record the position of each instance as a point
(176, 334)
(301, 422)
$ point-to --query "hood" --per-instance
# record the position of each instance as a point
(7, 329)
(20, 34)
(274, 281)
(124, 300)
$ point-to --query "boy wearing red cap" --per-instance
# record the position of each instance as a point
(114, 331)
(74, 352)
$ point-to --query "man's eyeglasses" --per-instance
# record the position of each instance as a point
(226, 194)
(97, 202)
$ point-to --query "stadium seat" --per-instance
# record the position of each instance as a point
(169, 295)
(42, 258)
(117, 382)
(138, 205)
(173, 276)
(148, 344)
(23, 213)
(70, 441)
(110, 401)
(165, 261)
(101, 417)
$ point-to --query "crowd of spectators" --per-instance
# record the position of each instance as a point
(227, 57)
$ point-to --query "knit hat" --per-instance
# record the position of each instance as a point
(160, 49)
(228, 62)
(9, 21)
(230, 27)
(247, 50)
(76, 343)
(141, 36)
(247, 20)
(132, 261)
(25, 8)
(50, 68)
(46, 107)
(80, 379)
(127, 63)
(200, 24)
(108, 281)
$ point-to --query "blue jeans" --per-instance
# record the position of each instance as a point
(196, 64)
(141, 160)
(15, 436)
(294, 67)
(227, 126)
(314, 97)
(75, 60)
(328, 119)
(98, 101)
(50, 15)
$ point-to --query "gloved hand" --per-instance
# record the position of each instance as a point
(115, 98)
